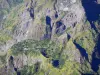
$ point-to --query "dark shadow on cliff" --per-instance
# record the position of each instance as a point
(92, 10)
(48, 28)
(96, 56)
(82, 51)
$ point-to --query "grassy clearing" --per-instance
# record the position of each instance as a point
(54, 53)
(86, 40)
(4, 37)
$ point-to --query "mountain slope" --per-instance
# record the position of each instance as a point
(49, 37)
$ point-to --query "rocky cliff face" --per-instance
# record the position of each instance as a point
(49, 37)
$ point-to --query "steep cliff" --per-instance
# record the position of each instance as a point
(49, 37)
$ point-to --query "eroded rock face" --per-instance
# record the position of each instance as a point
(28, 27)
(60, 21)
(73, 9)
(65, 4)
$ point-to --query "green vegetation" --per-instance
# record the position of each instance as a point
(13, 18)
(9, 20)
(14, 2)
(3, 12)
(31, 70)
(86, 68)
(40, 56)
(25, 47)
(4, 37)
(70, 68)
(68, 29)
(52, 50)
(43, 20)
(33, 46)
(86, 40)
(5, 9)
(2, 60)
